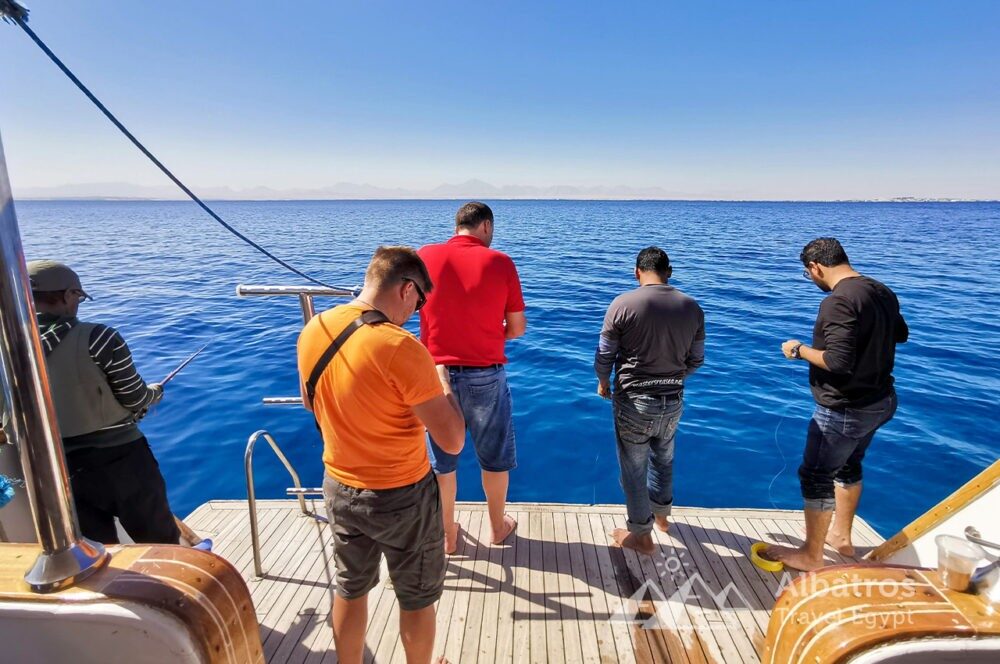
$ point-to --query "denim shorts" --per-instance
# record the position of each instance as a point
(484, 397)
(836, 444)
(403, 524)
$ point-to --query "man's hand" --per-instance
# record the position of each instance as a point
(444, 376)
(157, 392)
(787, 347)
(604, 389)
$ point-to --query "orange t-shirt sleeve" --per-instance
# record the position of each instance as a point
(412, 372)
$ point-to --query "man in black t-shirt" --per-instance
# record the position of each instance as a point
(850, 374)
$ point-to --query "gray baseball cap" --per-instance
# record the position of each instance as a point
(49, 275)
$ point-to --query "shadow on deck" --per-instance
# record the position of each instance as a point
(555, 592)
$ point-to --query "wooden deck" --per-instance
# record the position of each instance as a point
(556, 593)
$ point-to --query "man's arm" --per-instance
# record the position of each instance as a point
(110, 352)
(696, 354)
(515, 321)
(902, 330)
(607, 353)
(695, 357)
(516, 324)
(807, 353)
(839, 334)
(442, 416)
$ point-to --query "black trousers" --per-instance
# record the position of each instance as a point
(125, 482)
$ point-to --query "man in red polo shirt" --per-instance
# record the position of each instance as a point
(476, 305)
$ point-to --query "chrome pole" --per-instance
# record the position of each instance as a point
(308, 310)
(66, 557)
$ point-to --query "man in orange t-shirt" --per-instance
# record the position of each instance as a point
(373, 402)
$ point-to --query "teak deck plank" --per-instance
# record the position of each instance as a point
(609, 587)
(547, 595)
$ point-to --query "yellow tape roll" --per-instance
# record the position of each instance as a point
(764, 563)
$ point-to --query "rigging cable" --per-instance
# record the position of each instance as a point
(10, 10)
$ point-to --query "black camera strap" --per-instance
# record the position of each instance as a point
(370, 317)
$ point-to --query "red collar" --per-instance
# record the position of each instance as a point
(466, 239)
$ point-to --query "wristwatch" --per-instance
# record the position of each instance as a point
(797, 351)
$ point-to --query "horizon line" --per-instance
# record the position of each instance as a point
(153, 199)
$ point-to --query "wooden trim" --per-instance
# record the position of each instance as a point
(969, 492)
(838, 613)
(201, 590)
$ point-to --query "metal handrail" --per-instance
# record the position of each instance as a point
(304, 293)
(252, 497)
(66, 556)
(975, 537)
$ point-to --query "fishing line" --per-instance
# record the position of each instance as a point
(781, 452)
(784, 463)
(11, 11)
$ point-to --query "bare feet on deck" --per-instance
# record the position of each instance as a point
(794, 557)
(441, 660)
(841, 543)
(451, 539)
(639, 543)
(508, 527)
(661, 523)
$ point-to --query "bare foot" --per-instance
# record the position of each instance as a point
(796, 558)
(841, 543)
(509, 524)
(661, 523)
(441, 660)
(451, 538)
(640, 543)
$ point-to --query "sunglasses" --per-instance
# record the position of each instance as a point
(421, 298)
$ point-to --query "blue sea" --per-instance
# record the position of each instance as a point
(165, 275)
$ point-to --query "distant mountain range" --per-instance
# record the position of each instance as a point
(349, 190)
(470, 189)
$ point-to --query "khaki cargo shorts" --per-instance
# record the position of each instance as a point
(404, 524)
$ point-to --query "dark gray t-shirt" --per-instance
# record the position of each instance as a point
(653, 336)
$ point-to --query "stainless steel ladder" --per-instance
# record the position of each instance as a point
(305, 295)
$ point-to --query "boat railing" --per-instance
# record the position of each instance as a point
(296, 491)
(305, 295)
(66, 556)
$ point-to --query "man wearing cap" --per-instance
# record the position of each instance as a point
(654, 338)
(99, 398)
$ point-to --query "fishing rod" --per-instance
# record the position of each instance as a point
(170, 376)
(177, 370)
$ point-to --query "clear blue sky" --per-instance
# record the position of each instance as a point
(743, 99)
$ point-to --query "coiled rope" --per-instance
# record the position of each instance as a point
(13, 12)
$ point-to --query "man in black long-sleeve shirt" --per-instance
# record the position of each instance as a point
(850, 374)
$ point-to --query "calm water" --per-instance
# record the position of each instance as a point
(165, 274)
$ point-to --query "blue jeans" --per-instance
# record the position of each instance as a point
(835, 446)
(484, 397)
(645, 427)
